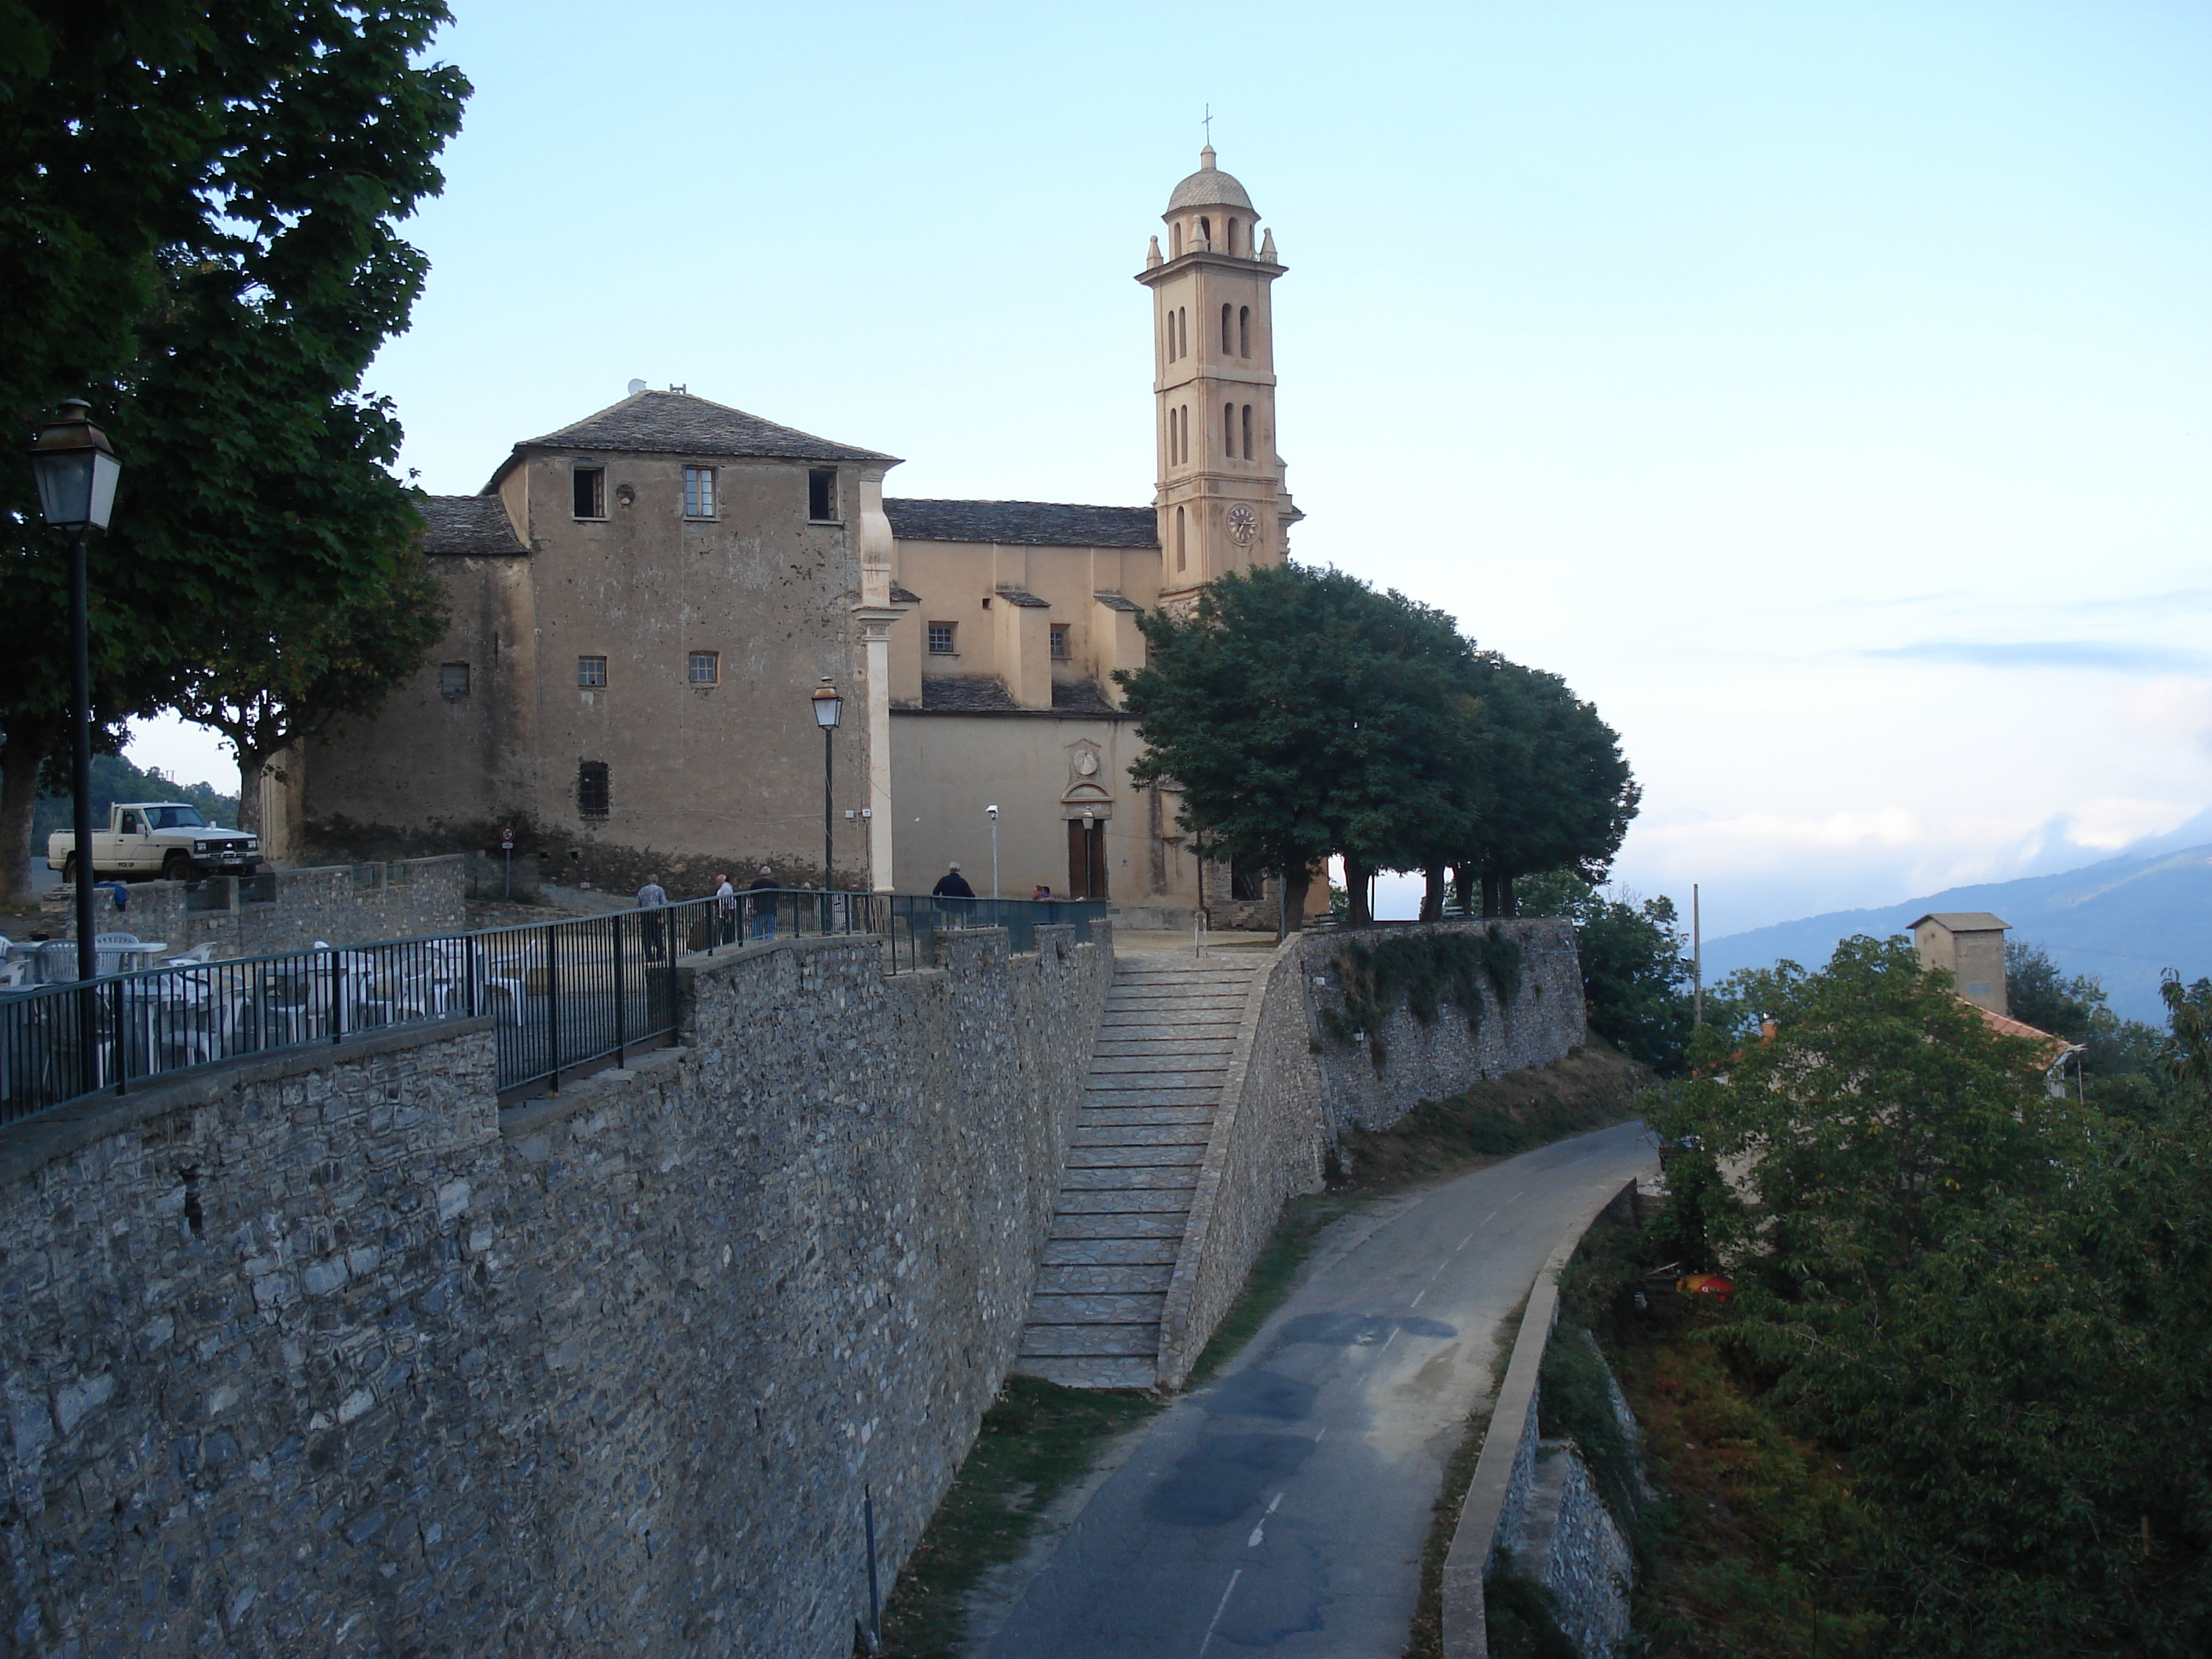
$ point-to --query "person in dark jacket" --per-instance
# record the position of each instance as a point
(952, 884)
(763, 909)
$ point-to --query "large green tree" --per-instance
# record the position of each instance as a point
(202, 239)
(1301, 714)
(1635, 974)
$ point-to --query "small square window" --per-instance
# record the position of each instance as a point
(705, 667)
(453, 680)
(940, 639)
(698, 492)
(1060, 641)
(822, 495)
(593, 793)
(591, 671)
(590, 486)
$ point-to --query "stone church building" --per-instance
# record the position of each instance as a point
(645, 601)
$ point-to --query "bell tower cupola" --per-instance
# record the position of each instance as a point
(1221, 498)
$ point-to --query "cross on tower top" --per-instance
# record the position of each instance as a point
(1207, 122)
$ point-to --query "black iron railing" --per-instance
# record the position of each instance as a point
(563, 995)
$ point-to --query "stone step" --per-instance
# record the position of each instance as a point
(1097, 1308)
(1181, 1177)
(1181, 1155)
(1109, 1117)
(1195, 1051)
(1091, 1373)
(1150, 1075)
(1125, 1201)
(1070, 1341)
(1077, 1252)
(1143, 1135)
(1094, 1096)
(1189, 1025)
(1131, 1227)
(1169, 1001)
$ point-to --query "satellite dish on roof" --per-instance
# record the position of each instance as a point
(636, 386)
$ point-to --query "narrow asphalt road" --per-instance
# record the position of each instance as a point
(1281, 1509)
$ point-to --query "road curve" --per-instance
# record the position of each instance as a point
(1281, 1509)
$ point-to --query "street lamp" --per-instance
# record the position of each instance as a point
(827, 705)
(991, 813)
(76, 470)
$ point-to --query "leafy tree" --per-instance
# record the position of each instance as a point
(2188, 1048)
(1636, 979)
(1301, 714)
(200, 239)
(1560, 795)
(2119, 1065)
(276, 680)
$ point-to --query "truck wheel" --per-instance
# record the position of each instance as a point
(178, 866)
(68, 871)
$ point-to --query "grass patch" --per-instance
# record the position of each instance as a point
(1272, 1276)
(1593, 1088)
(1037, 1437)
(1426, 1639)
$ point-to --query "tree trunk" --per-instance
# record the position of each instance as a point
(1296, 884)
(19, 803)
(1494, 900)
(1464, 888)
(250, 768)
(1432, 897)
(1356, 877)
(1507, 904)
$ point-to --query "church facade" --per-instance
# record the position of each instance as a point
(645, 601)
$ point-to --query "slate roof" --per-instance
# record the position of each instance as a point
(1117, 602)
(903, 596)
(986, 694)
(1967, 921)
(1023, 524)
(677, 423)
(474, 526)
(1024, 597)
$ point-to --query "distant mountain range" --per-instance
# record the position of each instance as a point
(2121, 920)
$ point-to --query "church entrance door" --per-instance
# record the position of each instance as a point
(1086, 858)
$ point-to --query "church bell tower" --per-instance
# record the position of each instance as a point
(1221, 499)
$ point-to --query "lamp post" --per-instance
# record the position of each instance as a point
(76, 470)
(991, 813)
(827, 705)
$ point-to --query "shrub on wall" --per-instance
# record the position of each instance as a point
(1417, 973)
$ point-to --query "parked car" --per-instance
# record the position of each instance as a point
(163, 838)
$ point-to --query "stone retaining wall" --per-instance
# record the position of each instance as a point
(1291, 1090)
(338, 904)
(322, 1355)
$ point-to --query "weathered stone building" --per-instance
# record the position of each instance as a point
(644, 602)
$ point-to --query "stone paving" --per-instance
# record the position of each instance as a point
(1156, 1072)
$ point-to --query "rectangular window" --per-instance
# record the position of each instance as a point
(822, 495)
(1060, 641)
(705, 667)
(698, 492)
(591, 671)
(591, 791)
(940, 639)
(590, 485)
(453, 680)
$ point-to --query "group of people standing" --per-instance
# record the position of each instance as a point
(654, 897)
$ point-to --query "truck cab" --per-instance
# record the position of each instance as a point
(158, 838)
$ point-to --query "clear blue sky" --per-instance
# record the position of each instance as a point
(1823, 389)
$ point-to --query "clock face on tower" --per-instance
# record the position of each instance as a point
(1244, 524)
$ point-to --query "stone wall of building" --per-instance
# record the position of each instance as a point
(1293, 1090)
(325, 1355)
(283, 909)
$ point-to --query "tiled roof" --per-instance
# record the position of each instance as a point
(1117, 602)
(903, 596)
(1026, 600)
(986, 694)
(677, 423)
(468, 526)
(1023, 524)
(1967, 921)
(2051, 1049)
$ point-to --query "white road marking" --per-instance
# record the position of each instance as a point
(1319, 1432)
(1219, 1610)
(1252, 1542)
(1511, 1202)
(1469, 1239)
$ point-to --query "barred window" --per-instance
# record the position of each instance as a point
(591, 671)
(698, 492)
(705, 667)
(453, 680)
(1059, 640)
(591, 791)
(940, 639)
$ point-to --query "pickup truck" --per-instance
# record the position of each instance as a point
(162, 838)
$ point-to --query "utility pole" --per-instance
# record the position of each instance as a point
(1697, 960)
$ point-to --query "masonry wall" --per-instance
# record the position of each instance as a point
(326, 1356)
(338, 904)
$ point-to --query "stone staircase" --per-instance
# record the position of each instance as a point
(1156, 1072)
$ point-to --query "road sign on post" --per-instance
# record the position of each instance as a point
(506, 847)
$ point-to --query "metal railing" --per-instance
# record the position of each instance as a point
(563, 995)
